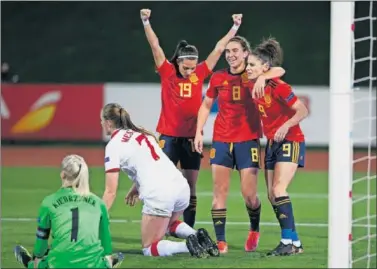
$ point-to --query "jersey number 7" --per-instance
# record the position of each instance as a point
(142, 138)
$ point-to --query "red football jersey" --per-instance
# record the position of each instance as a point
(180, 100)
(275, 109)
(238, 119)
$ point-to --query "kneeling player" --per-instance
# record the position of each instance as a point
(281, 111)
(78, 223)
(157, 182)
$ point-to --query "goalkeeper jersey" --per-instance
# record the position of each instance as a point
(79, 227)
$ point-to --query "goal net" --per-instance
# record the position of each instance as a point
(352, 149)
(363, 237)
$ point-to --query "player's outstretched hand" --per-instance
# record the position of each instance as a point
(281, 133)
(145, 14)
(258, 89)
(237, 19)
(132, 200)
(132, 197)
(198, 143)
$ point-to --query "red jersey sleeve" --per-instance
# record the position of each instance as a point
(212, 89)
(166, 68)
(202, 70)
(285, 94)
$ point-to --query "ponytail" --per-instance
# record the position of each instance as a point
(270, 51)
(181, 44)
(76, 174)
(127, 123)
(184, 50)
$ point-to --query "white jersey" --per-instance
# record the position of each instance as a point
(141, 158)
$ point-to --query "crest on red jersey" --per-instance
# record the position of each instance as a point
(267, 99)
(244, 77)
(193, 78)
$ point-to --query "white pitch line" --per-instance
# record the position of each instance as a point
(261, 194)
(292, 195)
(317, 225)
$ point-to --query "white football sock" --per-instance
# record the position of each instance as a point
(165, 248)
(286, 241)
(180, 229)
(297, 243)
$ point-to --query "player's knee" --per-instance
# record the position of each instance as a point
(219, 202)
(192, 177)
(279, 189)
(249, 194)
(220, 191)
(251, 199)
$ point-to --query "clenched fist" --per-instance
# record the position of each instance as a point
(237, 19)
(145, 14)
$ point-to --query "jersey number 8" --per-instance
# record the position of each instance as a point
(236, 93)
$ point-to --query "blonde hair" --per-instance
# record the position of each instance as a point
(76, 174)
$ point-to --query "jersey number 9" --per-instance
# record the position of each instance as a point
(262, 111)
(185, 90)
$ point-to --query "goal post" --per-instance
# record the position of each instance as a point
(340, 142)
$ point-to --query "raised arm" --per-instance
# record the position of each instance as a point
(215, 55)
(158, 53)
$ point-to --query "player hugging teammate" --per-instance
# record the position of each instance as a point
(235, 138)
(281, 112)
(249, 92)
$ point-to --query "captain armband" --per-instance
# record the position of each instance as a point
(43, 233)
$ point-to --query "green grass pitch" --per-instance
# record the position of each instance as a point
(24, 188)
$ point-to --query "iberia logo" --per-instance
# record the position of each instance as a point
(40, 114)
(193, 78)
